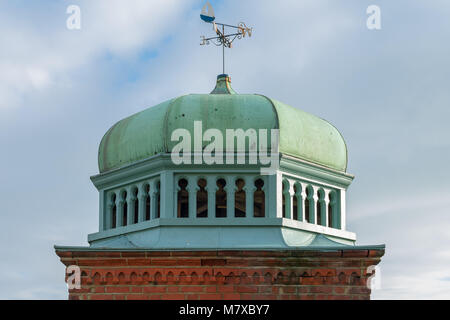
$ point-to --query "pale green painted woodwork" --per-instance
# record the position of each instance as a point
(223, 234)
(172, 232)
(148, 133)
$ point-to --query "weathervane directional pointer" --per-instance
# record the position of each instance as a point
(222, 39)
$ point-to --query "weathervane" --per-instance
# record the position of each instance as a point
(222, 39)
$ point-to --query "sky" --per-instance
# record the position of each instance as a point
(387, 91)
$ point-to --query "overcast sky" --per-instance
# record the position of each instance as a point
(387, 91)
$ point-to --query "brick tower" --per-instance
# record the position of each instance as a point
(222, 196)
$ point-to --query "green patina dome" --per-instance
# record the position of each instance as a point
(148, 133)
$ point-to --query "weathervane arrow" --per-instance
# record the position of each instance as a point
(222, 38)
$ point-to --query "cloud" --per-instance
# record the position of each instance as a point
(403, 202)
(416, 238)
(32, 59)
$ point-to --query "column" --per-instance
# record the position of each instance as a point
(314, 205)
(266, 197)
(274, 196)
(291, 201)
(211, 188)
(119, 210)
(287, 194)
(192, 188)
(249, 189)
(130, 206)
(230, 189)
(327, 202)
(176, 189)
(166, 194)
(108, 215)
(153, 192)
(142, 196)
(340, 210)
(302, 204)
(103, 211)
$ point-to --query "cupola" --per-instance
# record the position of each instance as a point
(147, 200)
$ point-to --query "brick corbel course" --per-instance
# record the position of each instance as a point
(216, 275)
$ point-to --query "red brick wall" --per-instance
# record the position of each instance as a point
(230, 275)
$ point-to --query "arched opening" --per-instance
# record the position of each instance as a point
(158, 200)
(147, 203)
(308, 204)
(330, 216)
(295, 203)
(259, 200)
(113, 212)
(221, 199)
(183, 199)
(239, 199)
(321, 208)
(319, 213)
(136, 206)
(125, 209)
(285, 194)
(331, 211)
(202, 199)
